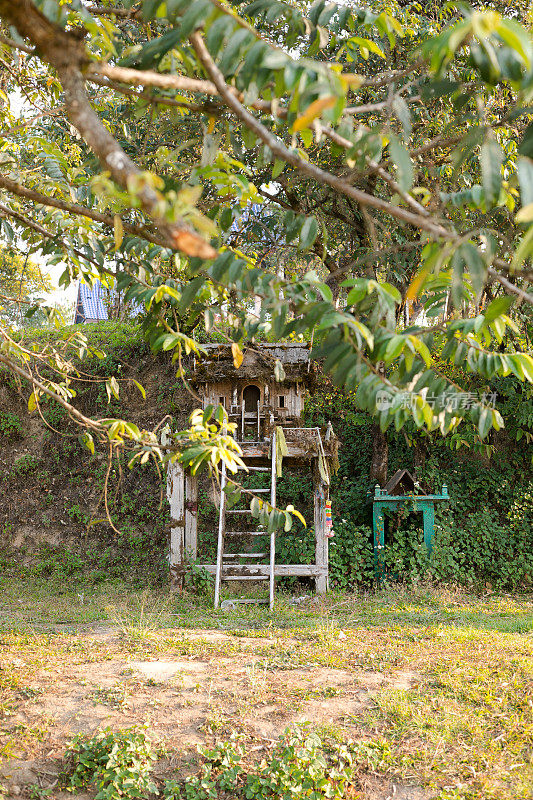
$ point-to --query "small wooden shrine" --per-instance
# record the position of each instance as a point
(268, 415)
(401, 489)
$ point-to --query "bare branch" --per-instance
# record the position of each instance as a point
(391, 75)
(76, 209)
(369, 107)
(16, 45)
(506, 283)
(137, 77)
(34, 226)
(73, 412)
(378, 170)
(115, 11)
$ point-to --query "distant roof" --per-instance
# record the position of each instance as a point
(406, 482)
(90, 304)
(252, 210)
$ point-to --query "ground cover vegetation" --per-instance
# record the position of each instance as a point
(344, 167)
(416, 694)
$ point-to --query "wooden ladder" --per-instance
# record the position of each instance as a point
(234, 571)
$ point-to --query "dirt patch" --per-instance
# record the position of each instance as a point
(163, 671)
(187, 700)
(375, 789)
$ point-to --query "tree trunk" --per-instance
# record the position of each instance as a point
(380, 456)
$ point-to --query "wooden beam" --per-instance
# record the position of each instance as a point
(280, 570)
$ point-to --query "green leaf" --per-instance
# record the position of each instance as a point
(525, 177)
(197, 12)
(524, 250)
(255, 506)
(190, 292)
(278, 168)
(475, 264)
(394, 348)
(402, 160)
(217, 32)
(491, 161)
(485, 422)
(526, 362)
(308, 233)
(499, 306)
(230, 61)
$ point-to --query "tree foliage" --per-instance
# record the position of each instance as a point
(361, 175)
(21, 282)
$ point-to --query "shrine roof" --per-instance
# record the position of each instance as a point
(258, 362)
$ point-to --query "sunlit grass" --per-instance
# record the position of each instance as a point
(454, 714)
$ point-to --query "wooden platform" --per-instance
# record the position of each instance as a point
(302, 444)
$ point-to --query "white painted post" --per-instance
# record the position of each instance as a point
(273, 478)
(221, 535)
(176, 499)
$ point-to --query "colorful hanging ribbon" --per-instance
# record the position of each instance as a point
(329, 523)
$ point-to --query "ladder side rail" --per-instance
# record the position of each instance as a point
(221, 534)
(273, 534)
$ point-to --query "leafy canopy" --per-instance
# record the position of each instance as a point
(283, 170)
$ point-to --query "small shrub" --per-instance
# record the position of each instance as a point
(24, 465)
(117, 765)
(301, 765)
(198, 579)
(10, 425)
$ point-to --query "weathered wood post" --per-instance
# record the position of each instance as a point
(176, 499)
(191, 517)
(321, 541)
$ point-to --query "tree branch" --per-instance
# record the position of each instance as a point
(76, 209)
(363, 198)
(306, 167)
(34, 226)
(66, 53)
(138, 77)
(520, 293)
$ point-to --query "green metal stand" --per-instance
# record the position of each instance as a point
(424, 503)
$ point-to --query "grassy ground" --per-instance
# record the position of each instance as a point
(441, 683)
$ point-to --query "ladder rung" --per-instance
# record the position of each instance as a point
(244, 577)
(244, 555)
(238, 511)
(259, 490)
(246, 533)
(258, 469)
